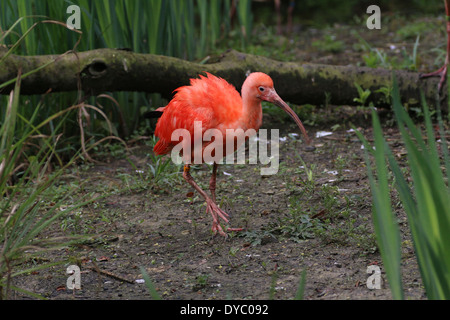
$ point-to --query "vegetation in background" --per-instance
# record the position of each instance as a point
(329, 44)
(328, 12)
(30, 165)
(187, 29)
(27, 206)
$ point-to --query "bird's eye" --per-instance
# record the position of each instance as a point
(261, 89)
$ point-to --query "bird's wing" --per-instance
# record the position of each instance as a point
(209, 101)
(186, 118)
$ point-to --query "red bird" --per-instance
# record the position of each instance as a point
(217, 105)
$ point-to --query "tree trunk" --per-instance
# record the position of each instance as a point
(103, 70)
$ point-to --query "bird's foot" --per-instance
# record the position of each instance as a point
(217, 213)
(235, 229)
(217, 228)
(441, 72)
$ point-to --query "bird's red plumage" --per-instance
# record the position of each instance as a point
(217, 105)
(211, 100)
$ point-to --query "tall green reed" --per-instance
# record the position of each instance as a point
(28, 148)
(26, 205)
(426, 202)
(245, 16)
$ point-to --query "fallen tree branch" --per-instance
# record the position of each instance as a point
(108, 273)
(101, 70)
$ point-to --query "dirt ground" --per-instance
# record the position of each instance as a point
(167, 232)
(292, 222)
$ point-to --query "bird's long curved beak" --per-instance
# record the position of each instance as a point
(276, 100)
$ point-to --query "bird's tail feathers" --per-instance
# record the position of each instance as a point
(162, 147)
(155, 113)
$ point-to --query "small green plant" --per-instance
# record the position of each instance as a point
(258, 237)
(161, 169)
(410, 61)
(363, 95)
(386, 92)
(329, 44)
(199, 282)
(329, 197)
(340, 164)
(413, 29)
(296, 224)
(150, 286)
(376, 58)
(158, 167)
(233, 251)
(309, 182)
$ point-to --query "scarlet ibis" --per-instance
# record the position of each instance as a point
(218, 105)
(442, 71)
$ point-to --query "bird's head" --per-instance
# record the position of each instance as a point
(261, 87)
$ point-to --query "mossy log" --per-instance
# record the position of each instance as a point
(110, 70)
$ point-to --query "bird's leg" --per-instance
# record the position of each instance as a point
(442, 71)
(212, 189)
(212, 182)
(211, 206)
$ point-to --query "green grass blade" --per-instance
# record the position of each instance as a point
(430, 220)
(426, 202)
(149, 283)
(386, 227)
(384, 220)
(301, 286)
(155, 26)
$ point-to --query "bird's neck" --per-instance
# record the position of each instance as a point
(251, 112)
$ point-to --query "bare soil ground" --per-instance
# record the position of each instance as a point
(322, 224)
(323, 227)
